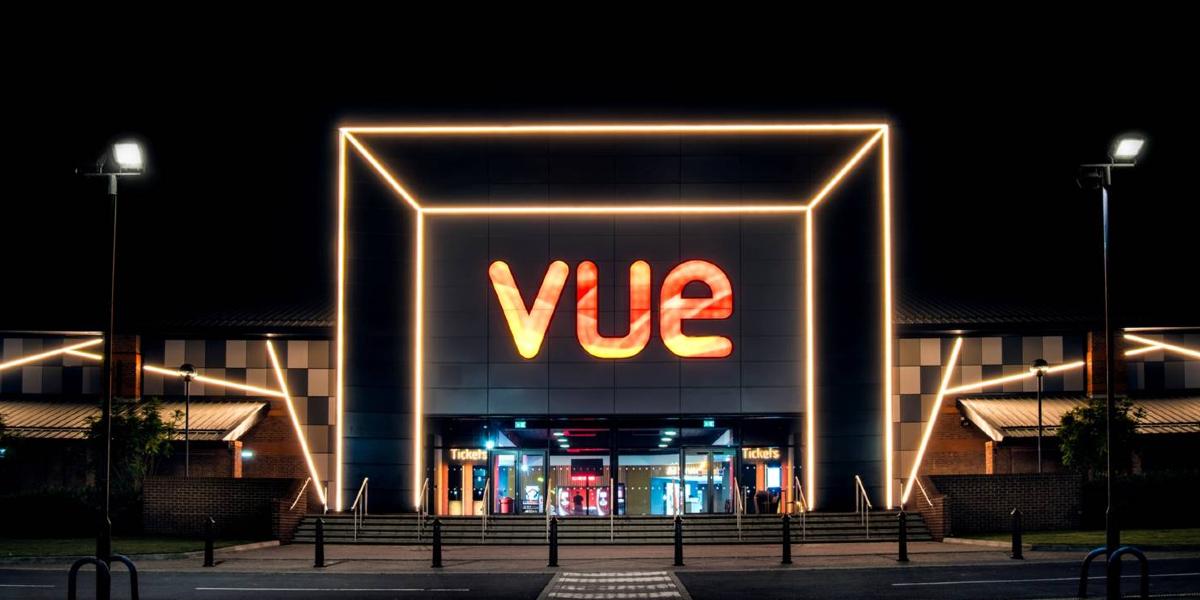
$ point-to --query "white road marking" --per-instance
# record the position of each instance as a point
(24, 585)
(298, 589)
(1037, 580)
(614, 586)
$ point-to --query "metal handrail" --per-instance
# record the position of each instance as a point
(546, 503)
(924, 493)
(612, 506)
(483, 514)
(360, 510)
(862, 504)
(802, 504)
(301, 494)
(737, 506)
(422, 509)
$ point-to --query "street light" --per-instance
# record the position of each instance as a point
(1123, 153)
(123, 159)
(188, 373)
(1039, 368)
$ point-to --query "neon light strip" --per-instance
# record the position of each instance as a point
(700, 128)
(1145, 350)
(810, 394)
(339, 392)
(886, 185)
(419, 362)
(382, 172)
(214, 381)
(1163, 345)
(947, 372)
(846, 168)
(87, 355)
(618, 209)
(1011, 378)
(312, 467)
(24, 360)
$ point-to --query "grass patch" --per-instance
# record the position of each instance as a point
(1135, 537)
(14, 547)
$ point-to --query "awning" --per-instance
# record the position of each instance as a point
(210, 421)
(1016, 416)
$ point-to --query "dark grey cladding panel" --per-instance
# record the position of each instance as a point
(597, 401)
(709, 401)
(710, 373)
(643, 374)
(378, 399)
(522, 375)
(517, 401)
(664, 401)
(772, 374)
(772, 399)
(582, 375)
(456, 375)
(456, 350)
(771, 348)
(445, 401)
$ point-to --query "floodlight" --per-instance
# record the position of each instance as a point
(128, 156)
(1127, 148)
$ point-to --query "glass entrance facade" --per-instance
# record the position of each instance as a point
(598, 467)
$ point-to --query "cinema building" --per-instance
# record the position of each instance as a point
(646, 320)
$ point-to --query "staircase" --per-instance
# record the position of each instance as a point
(531, 529)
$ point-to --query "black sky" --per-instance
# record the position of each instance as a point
(237, 210)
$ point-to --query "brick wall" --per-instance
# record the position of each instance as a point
(242, 508)
(931, 508)
(983, 503)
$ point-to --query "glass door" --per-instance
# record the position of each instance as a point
(708, 481)
(531, 479)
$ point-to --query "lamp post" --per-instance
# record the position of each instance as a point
(122, 159)
(1124, 153)
(1039, 368)
(188, 373)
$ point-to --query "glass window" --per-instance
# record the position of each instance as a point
(649, 483)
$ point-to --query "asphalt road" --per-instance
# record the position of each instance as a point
(975, 582)
(1169, 578)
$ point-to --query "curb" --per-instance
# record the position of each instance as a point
(65, 559)
(990, 544)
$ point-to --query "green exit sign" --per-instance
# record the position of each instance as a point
(519, 424)
(710, 422)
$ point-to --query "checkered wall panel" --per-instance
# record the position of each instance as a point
(61, 375)
(1162, 370)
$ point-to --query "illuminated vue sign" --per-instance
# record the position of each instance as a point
(528, 325)
(717, 270)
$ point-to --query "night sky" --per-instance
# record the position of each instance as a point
(237, 210)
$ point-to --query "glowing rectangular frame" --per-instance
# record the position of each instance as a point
(881, 137)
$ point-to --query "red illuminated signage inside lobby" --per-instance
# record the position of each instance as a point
(529, 324)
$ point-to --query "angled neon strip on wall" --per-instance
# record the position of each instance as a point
(979, 385)
(32, 358)
(1156, 345)
(287, 397)
(947, 372)
(587, 312)
(345, 133)
(215, 381)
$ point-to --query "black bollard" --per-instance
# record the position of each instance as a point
(210, 531)
(103, 578)
(903, 537)
(553, 542)
(787, 540)
(319, 547)
(1016, 535)
(678, 541)
(437, 543)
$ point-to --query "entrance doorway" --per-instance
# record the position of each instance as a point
(708, 481)
(519, 477)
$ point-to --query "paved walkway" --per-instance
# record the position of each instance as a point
(298, 558)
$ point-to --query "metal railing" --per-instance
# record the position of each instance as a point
(924, 493)
(802, 506)
(483, 514)
(359, 507)
(422, 509)
(612, 506)
(738, 507)
(301, 494)
(862, 504)
(548, 505)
